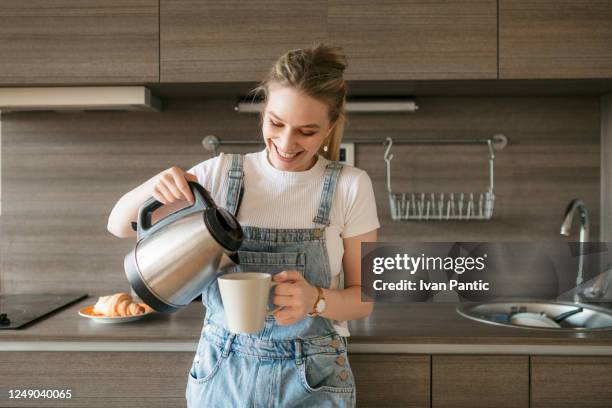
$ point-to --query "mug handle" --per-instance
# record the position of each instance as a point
(271, 312)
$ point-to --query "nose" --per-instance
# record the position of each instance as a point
(286, 140)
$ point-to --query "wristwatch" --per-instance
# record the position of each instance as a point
(319, 306)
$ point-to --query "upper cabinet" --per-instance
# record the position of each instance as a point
(204, 41)
(416, 39)
(217, 40)
(555, 39)
(185, 41)
(79, 42)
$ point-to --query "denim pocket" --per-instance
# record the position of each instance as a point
(326, 372)
(270, 262)
(206, 363)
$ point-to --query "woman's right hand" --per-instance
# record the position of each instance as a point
(171, 186)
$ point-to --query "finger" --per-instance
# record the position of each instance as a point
(182, 185)
(191, 177)
(285, 313)
(284, 300)
(163, 191)
(285, 289)
(288, 276)
(169, 183)
(159, 197)
(285, 322)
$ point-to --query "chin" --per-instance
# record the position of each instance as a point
(285, 166)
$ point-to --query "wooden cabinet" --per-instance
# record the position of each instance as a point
(79, 42)
(97, 379)
(416, 39)
(159, 379)
(559, 382)
(185, 41)
(480, 381)
(391, 380)
(555, 39)
(216, 40)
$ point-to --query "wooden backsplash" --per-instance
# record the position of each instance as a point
(63, 172)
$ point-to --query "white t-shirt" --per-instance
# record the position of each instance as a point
(271, 197)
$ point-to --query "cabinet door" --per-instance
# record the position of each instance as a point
(79, 42)
(216, 40)
(480, 381)
(559, 382)
(387, 380)
(97, 379)
(555, 39)
(416, 39)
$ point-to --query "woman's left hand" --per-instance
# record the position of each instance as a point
(295, 295)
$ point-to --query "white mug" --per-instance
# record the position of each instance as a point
(245, 300)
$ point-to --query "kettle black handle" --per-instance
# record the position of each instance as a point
(202, 201)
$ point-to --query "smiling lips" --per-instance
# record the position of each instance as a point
(283, 155)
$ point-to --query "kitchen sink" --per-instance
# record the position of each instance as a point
(590, 318)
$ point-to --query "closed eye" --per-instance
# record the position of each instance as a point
(279, 125)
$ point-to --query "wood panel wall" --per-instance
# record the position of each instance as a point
(606, 168)
(63, 172)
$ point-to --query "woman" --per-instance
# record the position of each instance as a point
(304, 217)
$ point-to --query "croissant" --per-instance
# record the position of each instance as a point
(119, 304)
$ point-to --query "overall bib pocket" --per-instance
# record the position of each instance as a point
(270, 262)
(327, 372)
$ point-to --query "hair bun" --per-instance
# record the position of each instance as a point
(330, 57)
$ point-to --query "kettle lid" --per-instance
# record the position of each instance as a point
(224, 227)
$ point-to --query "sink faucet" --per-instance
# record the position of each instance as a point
(579, 205)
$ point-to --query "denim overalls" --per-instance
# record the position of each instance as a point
(300, 365)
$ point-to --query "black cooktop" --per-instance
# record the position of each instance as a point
(16, 311)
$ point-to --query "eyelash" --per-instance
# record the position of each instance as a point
(281, 125)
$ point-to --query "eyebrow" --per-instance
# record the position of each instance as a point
(310, 125)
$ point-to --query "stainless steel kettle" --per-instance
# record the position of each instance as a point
(175, 258)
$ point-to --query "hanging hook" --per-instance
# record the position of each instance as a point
(491, 152)
(388, 143)
(388, 157)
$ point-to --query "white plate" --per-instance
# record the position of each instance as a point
(533, 320)
(87, 312)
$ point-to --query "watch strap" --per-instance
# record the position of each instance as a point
(321, 295)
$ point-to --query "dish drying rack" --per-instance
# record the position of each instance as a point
(464, 206)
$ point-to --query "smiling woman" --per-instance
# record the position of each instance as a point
(304, 217)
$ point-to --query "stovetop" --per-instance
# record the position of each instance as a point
(17, 311)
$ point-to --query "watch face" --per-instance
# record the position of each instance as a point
(321, 306)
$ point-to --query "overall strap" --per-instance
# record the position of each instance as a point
(332, 171)
(235, 177)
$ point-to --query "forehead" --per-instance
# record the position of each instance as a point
(295, 107)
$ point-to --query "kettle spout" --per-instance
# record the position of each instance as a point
(228, 260)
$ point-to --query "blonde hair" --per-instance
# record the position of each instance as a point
(317, 72)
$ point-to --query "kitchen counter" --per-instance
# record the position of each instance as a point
(410, 328)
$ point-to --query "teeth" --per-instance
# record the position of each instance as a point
(286, 155)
